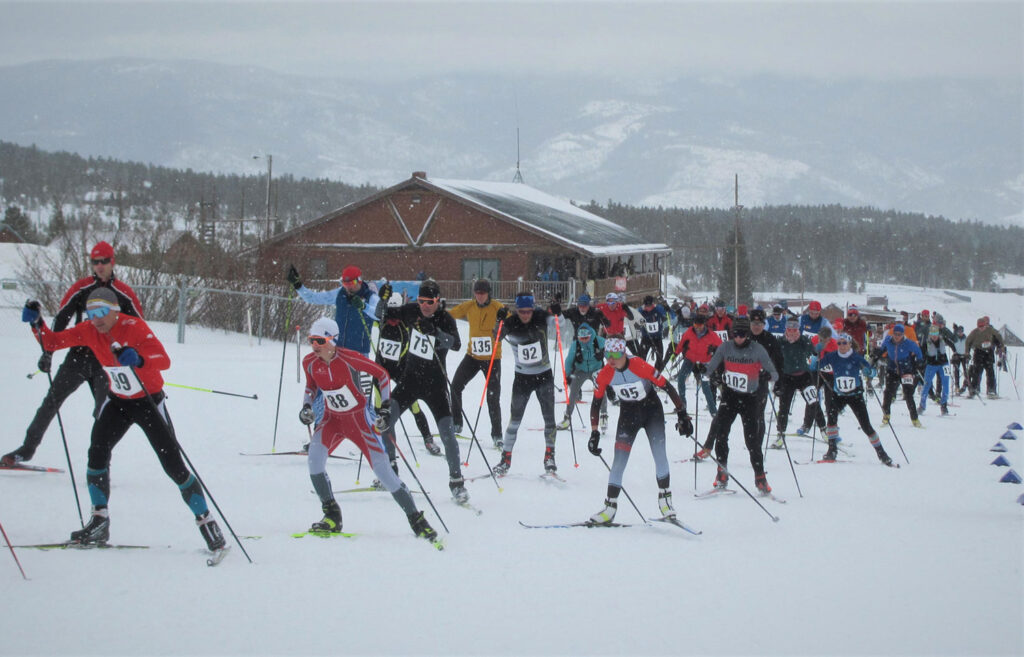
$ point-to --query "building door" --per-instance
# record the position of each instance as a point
(474, 268)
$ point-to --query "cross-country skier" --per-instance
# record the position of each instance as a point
(904, 363)
(982, 343)
(936, 363)
(584, 359)
(797, 352)
(527, 331)
(737, 366)
(634, 380)
(584, 313)
(355, 305)
(654, 317)
(696, 347)
(960, 360)
(432, 332)
(771, 345)
(481, 313)
(80, 365)
(333, 374)
(848, 391)
(132, 358)
(812, 320)
(776, 322)
(721, 322)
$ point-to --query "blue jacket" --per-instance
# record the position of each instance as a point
(776, 326)
(904, 358)
(655, 315)
(846, 372)
(811, 325)
(587, 358)
(355, 327)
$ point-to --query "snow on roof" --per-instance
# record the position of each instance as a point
(549, 214)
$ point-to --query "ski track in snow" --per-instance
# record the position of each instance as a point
(871, 560)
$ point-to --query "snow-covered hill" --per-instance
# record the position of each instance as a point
(944, 147)
(864, 559)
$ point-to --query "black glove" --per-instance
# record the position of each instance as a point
(777, 388)
(383, 420)
(700, 368)
(716, 379)
(357, 302)
(683, 423)
(306, 414)
(502, 313)
(44, 362)
(555, 308)
(32, 314)
(385, 292)
(444, 340)
(595, 437)
(293, 277)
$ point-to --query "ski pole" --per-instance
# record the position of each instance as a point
(64, 440)
(170, 430)
(11, 547)
(624, 492)
(487, 383)
(280, 378)
(744, 488)
(32, 374)
(875, 395)
(696, 428)
(561, 358)
(771, 398)
(217, 392)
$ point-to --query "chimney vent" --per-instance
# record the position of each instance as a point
(419, 174)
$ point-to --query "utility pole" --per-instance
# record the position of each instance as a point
(736, 246)
(270, 168)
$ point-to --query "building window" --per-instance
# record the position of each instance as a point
(474, 268)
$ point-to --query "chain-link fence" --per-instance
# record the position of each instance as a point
(254, 312)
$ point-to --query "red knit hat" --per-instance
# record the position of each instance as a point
(350, 274)
(814, 305)
(925, 313)
(742, 309)
(102, 250)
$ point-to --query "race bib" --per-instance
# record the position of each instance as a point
(846, 384)
(946, 370)
(480, 346)
(634, 391)
(736, 380)
(810, 394)
(530, 354)
(826, 368)
(653, 327)
(123, 381)
(390, 349)
(810, 334)
(986, 344)
(341, 400)
(907, 379)
(421, 346)
(724, 335)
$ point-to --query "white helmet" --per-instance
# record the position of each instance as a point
(395, 301)
(325, 327)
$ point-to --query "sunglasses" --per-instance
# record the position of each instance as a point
(318, 340)
(614, 354)
(426, 301)
(842, 342)
(97, 312)
(739, 333)
(757, 321)
(101, 261)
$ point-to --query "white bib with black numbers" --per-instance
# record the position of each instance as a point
(986, 344)
(736, 381)
(480, 346)
(946, 370)
(810, 394)
(653, 327)
(341, 400)
(724, 335)
(907, 379)
(530, 354)
(631, 392)
(845, 384)
(421, 346)
(123, 381)
(826, 369)
(390, 349)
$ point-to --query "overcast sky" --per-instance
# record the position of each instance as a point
(664, 39)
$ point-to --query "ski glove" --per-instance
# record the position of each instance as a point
(683, 423)
(385, 292)
(44, 362)
(306, 414)
(555, 308)
(869, 372)
(31, 314)
(293, 277)
(444, 340)
(129, 357)
(357, 302)
(777, 388)
(595, 437)
(383, 420)
(502, 313)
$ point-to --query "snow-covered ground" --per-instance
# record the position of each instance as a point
(923, 560)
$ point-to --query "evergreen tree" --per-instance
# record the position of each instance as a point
(19, 222)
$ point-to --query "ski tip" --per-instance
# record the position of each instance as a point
(775, 518)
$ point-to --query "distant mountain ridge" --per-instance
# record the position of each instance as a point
(942, 147)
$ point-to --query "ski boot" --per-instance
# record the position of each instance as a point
(457, 428)
(549, 460)
(920, 407)
(20, 455)
(564, 424)
(498, 442)
(665, 503)
(331, 522)
(917, 423)
(211, 532)
(721, 479)
(945, 409)
(885, 419)
(96, 531)
(882, 456)
(702, 454)
(803, 431)
(607, 514)
(431, 447)
(421, 527)
(991, 394)
(780, 442)
(458, 487)
(504, 465)
(833, 451)
(761, 482)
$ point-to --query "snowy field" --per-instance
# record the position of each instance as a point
(923, 560)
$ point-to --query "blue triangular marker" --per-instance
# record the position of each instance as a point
(1000, 460)
(1010, 477)
(1008, 436)
(1014, 425)
(998, 447)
